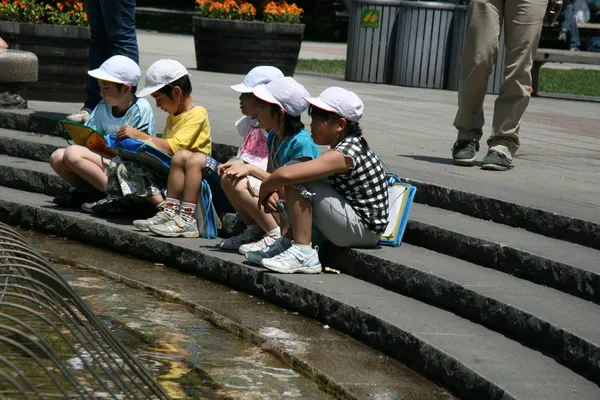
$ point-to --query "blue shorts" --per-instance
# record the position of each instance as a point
(220, 200)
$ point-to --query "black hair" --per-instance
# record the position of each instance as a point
(291, 125)
(352, 128)
(120, 85)
(184, 83)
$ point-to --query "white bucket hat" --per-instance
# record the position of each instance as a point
(286, 93)
(118, 69)
(160, 74)
(260, 75)
(343, 102)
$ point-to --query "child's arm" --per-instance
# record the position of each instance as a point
(239, 171)
(130, 132)
(330, 163)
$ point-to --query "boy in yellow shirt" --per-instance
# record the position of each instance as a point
(187, 128)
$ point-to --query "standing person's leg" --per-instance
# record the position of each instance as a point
(568, 26)
(479, 54)
(99, 51)
(522, 29)
(119, 18)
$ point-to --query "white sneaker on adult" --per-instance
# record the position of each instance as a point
(295, 259)
(80, 117)
(251, 234)
(278, 247)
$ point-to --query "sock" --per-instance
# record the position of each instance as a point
(274, 233)
(306, 248)
(172, 206)
(188, 211)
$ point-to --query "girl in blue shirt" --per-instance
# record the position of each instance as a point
(281, 102)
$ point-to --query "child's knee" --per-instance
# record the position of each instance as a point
(72, 155)
(180, 158)
(196, 161)
(56, 159)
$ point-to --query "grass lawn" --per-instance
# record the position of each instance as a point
(575, 81)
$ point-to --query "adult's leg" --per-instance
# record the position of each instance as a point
(479, 54)
(98, 53)
(119, 18)
(522, 28)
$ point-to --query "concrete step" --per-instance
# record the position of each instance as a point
(30, 146)
(566, 266)
(577, 228)
(564, 327)
(31, 176)
(469, 359)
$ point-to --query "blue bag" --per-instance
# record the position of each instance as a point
(141, 152)
(401, 196)
(206, 215)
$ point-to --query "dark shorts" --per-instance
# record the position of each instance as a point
(213, 179)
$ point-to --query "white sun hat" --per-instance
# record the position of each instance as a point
(343, 102)
(118, 69)
(160, 74)
(260, 75)
(286, 93)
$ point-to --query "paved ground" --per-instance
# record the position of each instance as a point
(411, 129)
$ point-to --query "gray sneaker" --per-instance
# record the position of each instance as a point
(280, 245)
(464, 152)
(496, 161)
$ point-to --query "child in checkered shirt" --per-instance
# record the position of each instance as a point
(344, 192)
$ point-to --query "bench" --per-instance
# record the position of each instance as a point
(17, 69)
(586, 29)
(559, 56)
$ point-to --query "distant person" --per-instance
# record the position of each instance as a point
(3, 44)
(568, 26)
(522, 21)
(112, 32)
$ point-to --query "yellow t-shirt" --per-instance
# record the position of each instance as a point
(189, 131)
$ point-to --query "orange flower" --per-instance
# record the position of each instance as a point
(85, 17)
(6, 1)
(60, 6)
(49, 7)
(72, 13)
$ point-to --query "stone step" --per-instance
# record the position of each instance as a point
(469, 359)
(584, 231)
(28, 145)
(565, 266)
(31, 176)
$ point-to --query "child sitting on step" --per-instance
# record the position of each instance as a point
(177, 218)
(119, 109)
(187, 130)
(349, 206)
(281, 103)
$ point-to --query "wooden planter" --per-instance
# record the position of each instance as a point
(238, 46)
(62, 52)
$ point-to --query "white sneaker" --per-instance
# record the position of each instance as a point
(294, 259)
(248, 236)
(278, 247)
(265, 241)
(80, 117)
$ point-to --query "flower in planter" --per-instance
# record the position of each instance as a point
(282, 12)
(66, 12)
(227, 9)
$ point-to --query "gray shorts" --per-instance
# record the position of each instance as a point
(336, 218)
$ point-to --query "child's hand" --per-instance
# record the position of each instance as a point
(128, 132)
(238, 171)
(224, 167)
(269, 203)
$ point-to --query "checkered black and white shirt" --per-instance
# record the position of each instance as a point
(364, 185)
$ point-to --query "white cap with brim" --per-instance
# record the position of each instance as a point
(260, 75)
(118, 69)
(285, 93)
(160, 74)
(343, 102)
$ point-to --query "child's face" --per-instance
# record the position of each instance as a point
(166, 103)
(324, 131)
(111, 94)
(267, 119)
(248, 104)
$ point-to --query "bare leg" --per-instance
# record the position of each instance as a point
(81, 164)
(246, 204)
(176, 182)
(156, 199)
(59, 166)
(300, 211)
(193, 177)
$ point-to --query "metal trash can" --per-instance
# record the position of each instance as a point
(371, 34)
(458, 37)
(423, 43)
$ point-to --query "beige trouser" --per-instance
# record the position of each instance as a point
(522, 28)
